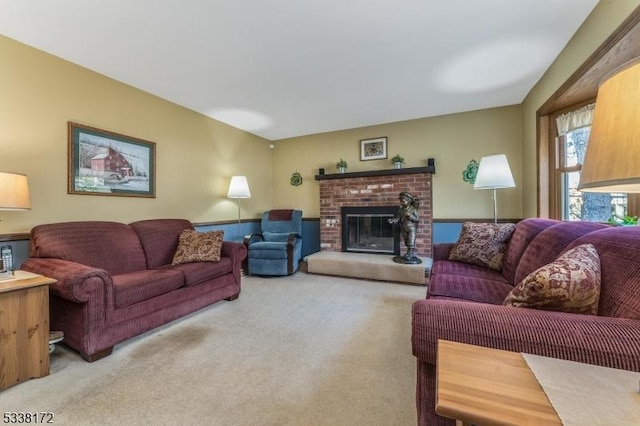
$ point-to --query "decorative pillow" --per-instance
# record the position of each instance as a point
(482, 244)
(196, 246)
(571, 283)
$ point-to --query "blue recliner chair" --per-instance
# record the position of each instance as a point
(278, 249)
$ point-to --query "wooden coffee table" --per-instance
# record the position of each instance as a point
(484, 386)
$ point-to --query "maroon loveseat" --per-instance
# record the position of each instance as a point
(464, 304)
(115, 281)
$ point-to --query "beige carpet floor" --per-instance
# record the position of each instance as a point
(299, 350)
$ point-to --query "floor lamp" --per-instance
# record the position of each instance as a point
(239, 188)
(494, 173)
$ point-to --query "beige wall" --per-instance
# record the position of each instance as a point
(452, 140)
(195, 155)
(602, 22)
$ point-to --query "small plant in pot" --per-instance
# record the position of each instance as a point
(341, 166)
(397, 161)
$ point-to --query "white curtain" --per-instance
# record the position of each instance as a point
(575, 119)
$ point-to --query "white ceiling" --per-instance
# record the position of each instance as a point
(285, 68)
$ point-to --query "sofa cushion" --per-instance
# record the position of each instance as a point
(619, 252)
(111, 246)
(449, 267)
(268, 250)
(276, 237)
(159, 238)
(526, 230)
(550, 243)
(138, 286)
(199, 272)
(468, 287)
(482, 244)
(196, 246)
(569, 284)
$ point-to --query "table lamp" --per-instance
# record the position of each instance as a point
(14, 191)
(612, 159)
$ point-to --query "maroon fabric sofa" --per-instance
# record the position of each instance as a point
(464, 304)
(116, 281)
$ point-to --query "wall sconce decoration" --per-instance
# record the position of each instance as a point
(296, 179)
(470, 173)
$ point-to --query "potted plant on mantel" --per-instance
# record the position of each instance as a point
(397, 161)
(341, 166)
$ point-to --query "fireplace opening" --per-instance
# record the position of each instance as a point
(367, 230)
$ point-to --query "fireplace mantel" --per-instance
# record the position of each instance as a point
(386, 172)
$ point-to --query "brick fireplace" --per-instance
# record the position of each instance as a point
(375, 189)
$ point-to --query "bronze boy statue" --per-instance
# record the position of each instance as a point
(408, 218)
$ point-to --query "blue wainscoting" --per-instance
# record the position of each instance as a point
(233, 232)
(310, 237)
(442, 233)
(446, 232)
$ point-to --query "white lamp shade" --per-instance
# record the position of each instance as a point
(494, 173)
(612, 160)
(14, 191)
(239, 187)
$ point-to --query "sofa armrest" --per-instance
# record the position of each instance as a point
(235, 251)
(252, 238)
(606, 341)
(293, 238)
(74, 280)
(441, 251)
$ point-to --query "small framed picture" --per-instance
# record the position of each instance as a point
(373, 149)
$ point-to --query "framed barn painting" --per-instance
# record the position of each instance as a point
(373, 149)
(108, 163)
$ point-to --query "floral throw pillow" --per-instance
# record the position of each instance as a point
(571, 283)
(482, 244)
(196, 246)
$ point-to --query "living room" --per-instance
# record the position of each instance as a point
(197, 155)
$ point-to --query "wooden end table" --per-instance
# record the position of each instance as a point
(484, 386)
(24, 328)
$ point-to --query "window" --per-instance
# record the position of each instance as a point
(573, 129)
(577, 91)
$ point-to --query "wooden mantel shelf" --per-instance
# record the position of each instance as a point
(387, 172)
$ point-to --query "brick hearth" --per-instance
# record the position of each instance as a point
(379, 188)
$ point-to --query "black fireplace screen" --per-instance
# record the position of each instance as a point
(367, 230)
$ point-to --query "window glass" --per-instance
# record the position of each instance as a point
(587, 206)
(576, 146)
